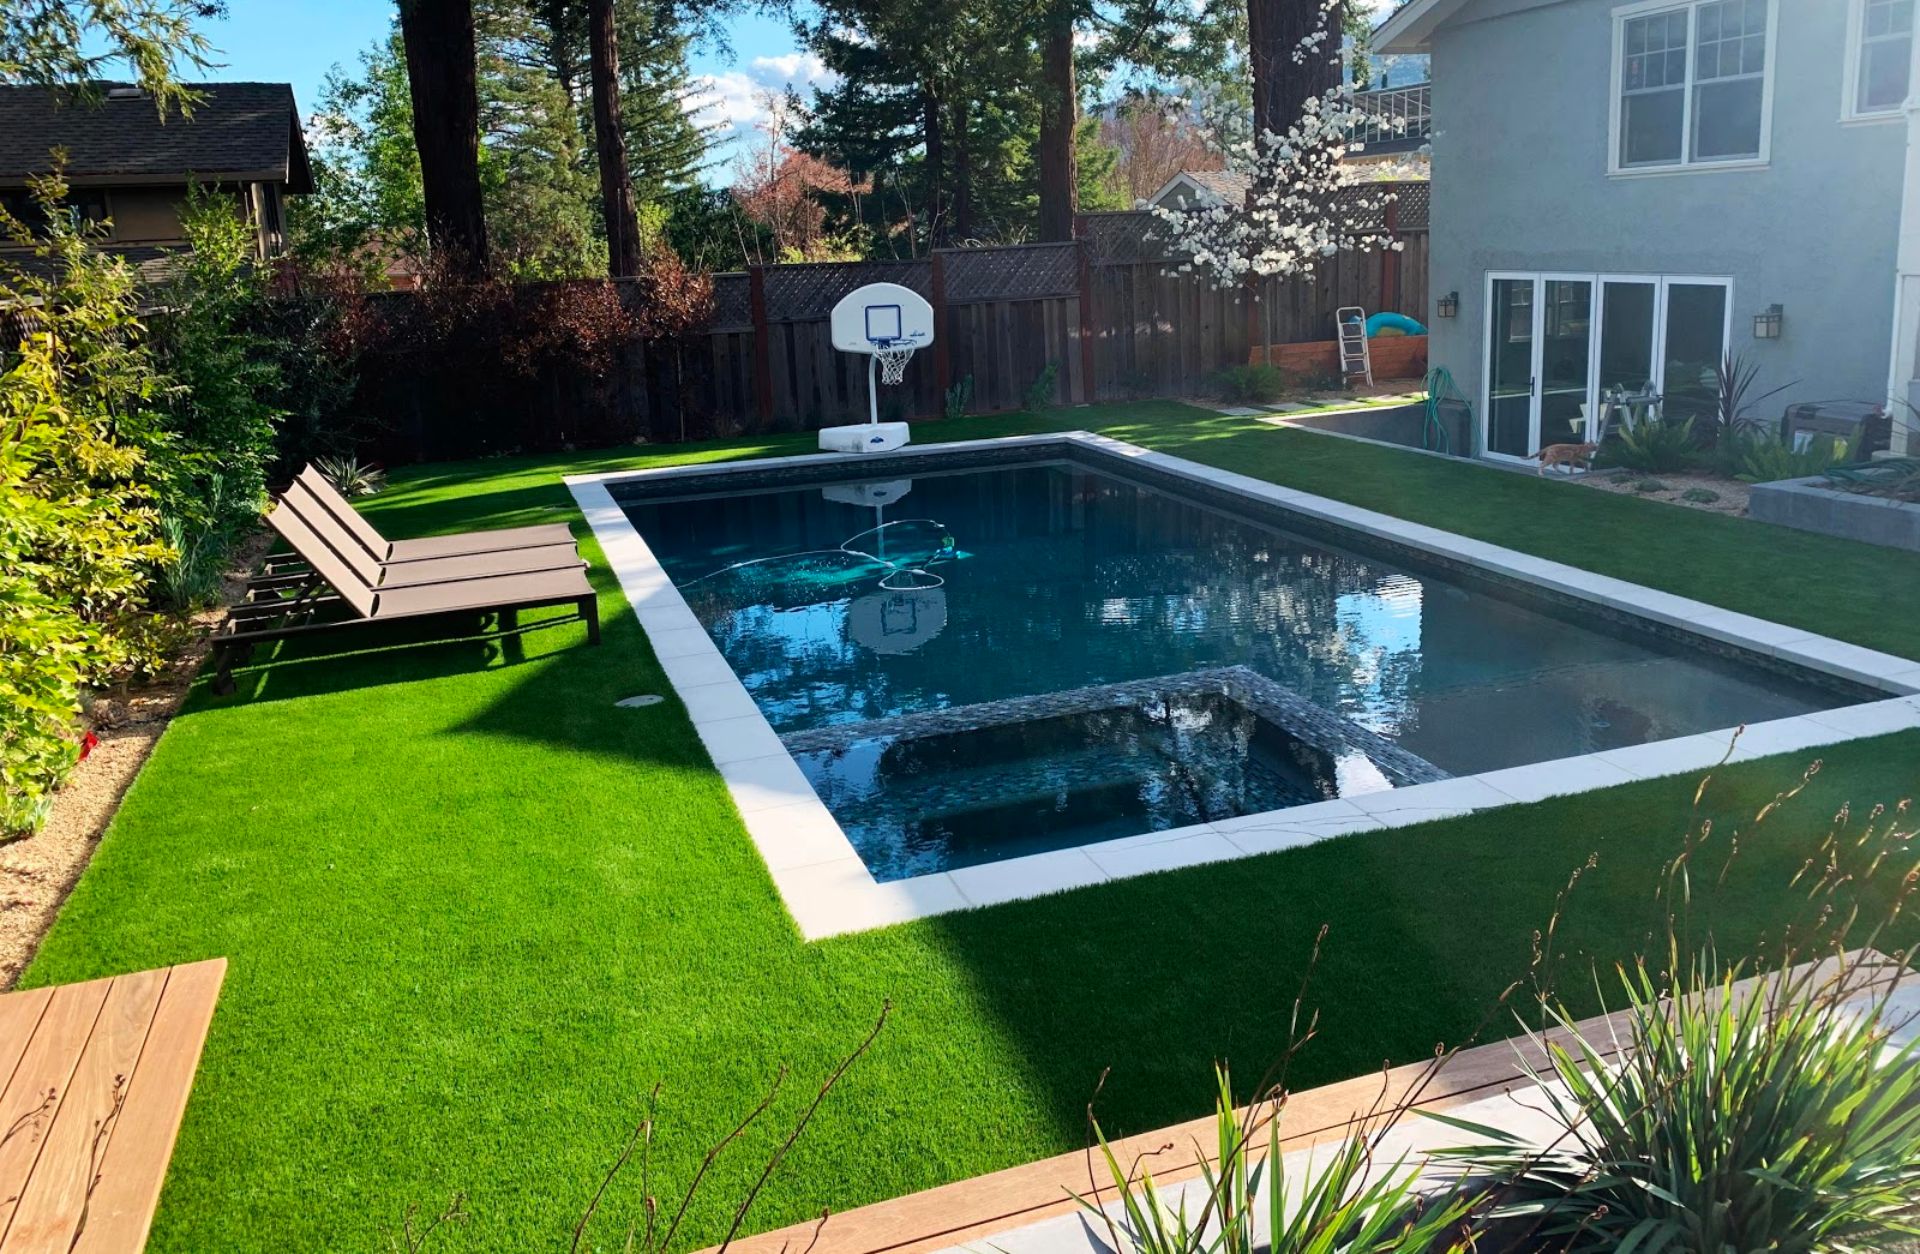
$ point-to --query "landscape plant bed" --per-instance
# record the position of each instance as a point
(474, 910)
(1714, 493)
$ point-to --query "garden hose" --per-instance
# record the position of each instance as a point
(1440, 385)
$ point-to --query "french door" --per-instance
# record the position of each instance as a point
(1556, 342)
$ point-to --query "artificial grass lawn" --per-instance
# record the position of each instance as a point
(474, 912)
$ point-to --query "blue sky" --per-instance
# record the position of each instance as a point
(298, 41)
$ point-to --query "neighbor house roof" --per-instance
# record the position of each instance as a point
(237, 132)
(1221, 184)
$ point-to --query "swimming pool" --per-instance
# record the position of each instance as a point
(990, 655)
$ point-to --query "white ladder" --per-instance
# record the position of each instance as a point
(1356, 359)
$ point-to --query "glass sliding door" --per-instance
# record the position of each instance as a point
(1566, 365)
(1694, 340)
(1556, 343)
(1511, 369)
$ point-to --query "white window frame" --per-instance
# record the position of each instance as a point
(1687, 164)
(1661, 284)
(1850, 110)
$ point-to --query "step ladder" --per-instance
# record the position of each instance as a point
(1356, 359)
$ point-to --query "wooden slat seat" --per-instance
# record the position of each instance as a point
(93, 1084)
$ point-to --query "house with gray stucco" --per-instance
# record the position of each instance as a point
(1625, 192)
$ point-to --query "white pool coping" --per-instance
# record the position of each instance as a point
(828, 889)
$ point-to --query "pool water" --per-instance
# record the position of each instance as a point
(981, 663)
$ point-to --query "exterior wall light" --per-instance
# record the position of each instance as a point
(1766, 323)
(1449, 305)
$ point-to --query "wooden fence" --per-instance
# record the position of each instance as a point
(1104, 316)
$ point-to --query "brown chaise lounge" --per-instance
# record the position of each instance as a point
(287, 602)
(387, 552)
(313, 511)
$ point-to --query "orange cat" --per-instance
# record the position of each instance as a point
(1567, 455)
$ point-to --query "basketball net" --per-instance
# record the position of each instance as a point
(893, 359)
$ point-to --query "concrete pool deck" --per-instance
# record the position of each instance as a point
(827, 887)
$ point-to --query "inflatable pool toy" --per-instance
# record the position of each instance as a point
(1393, 324)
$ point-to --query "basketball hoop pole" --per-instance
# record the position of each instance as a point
(873, 389)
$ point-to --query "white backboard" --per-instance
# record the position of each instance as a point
(882, 315)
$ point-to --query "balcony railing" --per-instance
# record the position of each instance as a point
(1402, 119)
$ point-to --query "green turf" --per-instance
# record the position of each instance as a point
(474, 912)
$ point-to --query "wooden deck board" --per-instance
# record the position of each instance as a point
(93, 1103)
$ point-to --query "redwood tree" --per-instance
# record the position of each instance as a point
(616, 186)
(442, 81)
(1059, 121)
(1278, 32)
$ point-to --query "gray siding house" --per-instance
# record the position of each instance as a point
(1623, 191)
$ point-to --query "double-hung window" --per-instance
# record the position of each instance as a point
(1693, 83)
(1880, 48)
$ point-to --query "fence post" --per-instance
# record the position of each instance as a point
(1390, 261)
(1085, 294)
(762, 350)
(942, 361)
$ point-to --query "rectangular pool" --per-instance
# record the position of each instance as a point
(991, 653)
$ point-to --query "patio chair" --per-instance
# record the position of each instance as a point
(294, 605)
(463, 544)
(313, 511)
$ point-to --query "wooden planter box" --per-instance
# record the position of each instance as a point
(1394, 357)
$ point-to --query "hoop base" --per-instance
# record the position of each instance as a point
(864, 437)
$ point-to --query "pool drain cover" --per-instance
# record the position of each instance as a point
(644, 699)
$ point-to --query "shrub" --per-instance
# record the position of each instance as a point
(959, 399)
(1039, 394)
(1780, 1113)
(221, 370)
(1764, 459)
(1778, 1120)
(1347, 1204)
(78, 542)
(1656, 446)
(350, 476)
(1259, 383)
(1700, 496)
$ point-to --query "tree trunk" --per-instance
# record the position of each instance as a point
(616, 188)
(441, 81)
(1059, 118)
(962, 173)
(1275, 29)
(935, 164)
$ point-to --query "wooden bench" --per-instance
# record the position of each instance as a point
(95, 1078)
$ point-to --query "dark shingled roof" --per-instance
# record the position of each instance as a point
(238, 130)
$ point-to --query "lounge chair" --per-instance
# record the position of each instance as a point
(302, 500)
(291, 604)
(464, 544)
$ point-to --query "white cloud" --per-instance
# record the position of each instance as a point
(736, 99)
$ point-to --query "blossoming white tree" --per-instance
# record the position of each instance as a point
(1304, 204)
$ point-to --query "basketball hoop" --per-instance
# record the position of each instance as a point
(887, 323)
(893, 359)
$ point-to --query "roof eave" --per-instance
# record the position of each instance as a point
(1410, 28)
(151, 180)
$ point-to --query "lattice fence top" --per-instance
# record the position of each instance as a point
(1027, 272)
(1115, 239)
(732, 303)
(1415, 201)
(804, 293)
